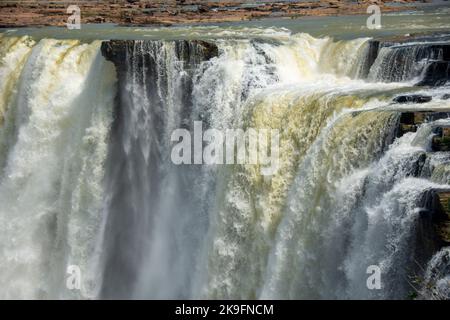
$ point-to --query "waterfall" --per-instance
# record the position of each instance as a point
(54, 142)
(420, 63)
(155, 208)
(377, 197)
(87, 180)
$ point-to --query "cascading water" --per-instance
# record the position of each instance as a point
(156, 219)
(368, 197)
(422, 62)
(87, 180)
(54, 145)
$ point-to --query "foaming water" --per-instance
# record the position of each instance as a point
(363, 213)
(86, 177)
(51, 177)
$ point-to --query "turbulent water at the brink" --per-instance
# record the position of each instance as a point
(87, 182)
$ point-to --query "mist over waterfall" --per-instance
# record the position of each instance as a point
(54, 139)
(87, 178)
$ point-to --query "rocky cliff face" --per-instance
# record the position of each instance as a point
(433, 226)
(432, 231)
(151, 12)
(424, 59)
(187, 51)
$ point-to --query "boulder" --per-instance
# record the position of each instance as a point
(441, 142)
(413, 98)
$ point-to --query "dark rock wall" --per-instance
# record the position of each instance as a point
(406, 59)
(155, 80)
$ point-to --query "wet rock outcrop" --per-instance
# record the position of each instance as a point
(433, 227)
(410, 120)
(148, 62)
(413, 98)
(189, 51)
(441, 141)
(436, 73)
(424, 59)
